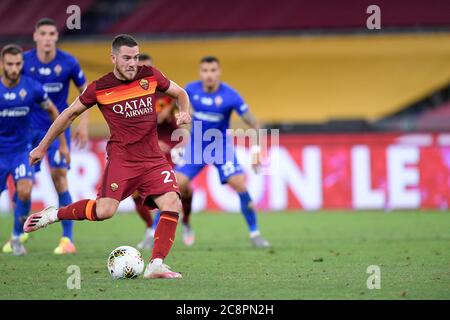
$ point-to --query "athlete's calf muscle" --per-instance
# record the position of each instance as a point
(237, 182)
(59, 177)
(106, 208)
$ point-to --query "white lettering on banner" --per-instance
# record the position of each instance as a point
(443, 140)
(415, 139)
(255, 182)
(364, 197)
(300, 178)
(43, 189)
(199, 200)
(84, 186)
(223, 195)
(81, 186)
(5, 204)
(127, 205)
(402, 180)
(306, 184)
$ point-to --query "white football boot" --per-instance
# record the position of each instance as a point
(17, 247)
(158, 270)
(40, 219)
(258, 241)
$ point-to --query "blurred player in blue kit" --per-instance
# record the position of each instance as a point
(20, 98)
(213, 102)
(54, 69)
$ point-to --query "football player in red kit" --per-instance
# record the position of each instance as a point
(126, 98)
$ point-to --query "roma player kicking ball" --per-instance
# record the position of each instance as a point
(135, 162)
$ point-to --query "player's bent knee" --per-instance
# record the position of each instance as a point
(104, 213)
(105, 210)
(59, 177)
(24, 189)
(237, 182)
(188, 192)
(24, 194)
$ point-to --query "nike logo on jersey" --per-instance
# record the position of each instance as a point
(108, 93)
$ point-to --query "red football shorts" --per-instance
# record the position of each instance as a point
(121, 178)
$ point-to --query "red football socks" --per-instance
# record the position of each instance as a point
(80, 210)
(165, 234)
(144, 212)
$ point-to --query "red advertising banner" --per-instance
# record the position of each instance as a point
(303, 172)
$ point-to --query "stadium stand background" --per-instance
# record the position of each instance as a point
(301, 65)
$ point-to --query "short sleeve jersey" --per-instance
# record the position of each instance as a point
(130, 112)
(55, 77)
(214, 108)
(16, 106)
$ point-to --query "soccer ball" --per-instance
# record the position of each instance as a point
(125, 263)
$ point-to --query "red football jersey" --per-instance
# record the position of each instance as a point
(165, 130)
(128, 108)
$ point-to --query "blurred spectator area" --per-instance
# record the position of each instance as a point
(162, 17)
(191, 16)
(304, 79)
(18, 17)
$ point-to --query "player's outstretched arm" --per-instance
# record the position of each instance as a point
(250, 119)
(178, 93)
(62, 122)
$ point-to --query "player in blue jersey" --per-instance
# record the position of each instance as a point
(55, 69)
(20, 97)
(213, 103)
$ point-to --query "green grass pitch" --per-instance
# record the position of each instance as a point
(322, 255)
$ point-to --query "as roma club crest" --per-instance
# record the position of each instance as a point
(144, 84)
(114, 186)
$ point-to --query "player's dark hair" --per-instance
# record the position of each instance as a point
(123, 40)
(45, 22)
(209, 59)
(11, 49)
(144, 57)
